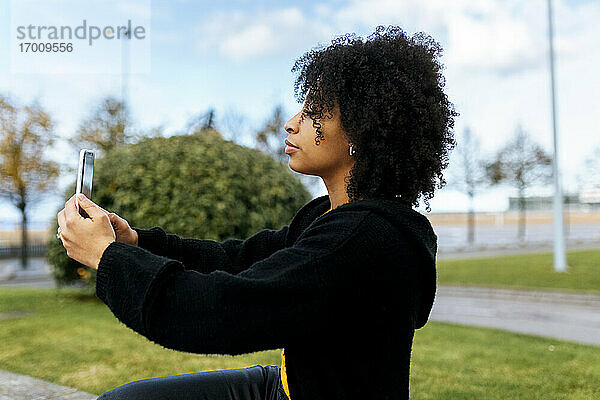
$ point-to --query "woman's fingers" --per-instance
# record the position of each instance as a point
(103, 209)
(61, 220)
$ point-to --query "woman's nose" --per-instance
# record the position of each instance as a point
(292, 125)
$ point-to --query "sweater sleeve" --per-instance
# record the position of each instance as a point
(277, 300)
(204, 255)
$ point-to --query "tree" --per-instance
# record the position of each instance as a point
(273, 131)
(592, 169)
(107, 128)
(202, 122)
(469, 174)
(522, 163)
(25, 175)
(157, 131)
(233, 123)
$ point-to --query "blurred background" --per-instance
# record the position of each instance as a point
(219, 74)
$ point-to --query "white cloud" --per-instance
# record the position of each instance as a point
(501, 44)
(254, 40)
(474, 35)
(241, 36)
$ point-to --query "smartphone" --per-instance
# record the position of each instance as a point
(85, 173)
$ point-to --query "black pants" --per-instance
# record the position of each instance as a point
(252, 383)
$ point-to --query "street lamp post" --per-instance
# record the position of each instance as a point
(560, 259)
(125, 43)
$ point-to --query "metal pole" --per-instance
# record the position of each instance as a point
(125, 66)
(560, 258)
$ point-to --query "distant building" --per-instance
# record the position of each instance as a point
(590, 195)
(585, 200)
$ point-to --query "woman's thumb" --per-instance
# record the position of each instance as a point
(114, 219)
(87, 204)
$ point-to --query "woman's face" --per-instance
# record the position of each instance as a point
(327, 159)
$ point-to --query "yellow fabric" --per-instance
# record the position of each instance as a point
(283, 374)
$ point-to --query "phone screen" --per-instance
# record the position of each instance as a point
(85, 176)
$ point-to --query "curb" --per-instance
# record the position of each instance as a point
(536, 296)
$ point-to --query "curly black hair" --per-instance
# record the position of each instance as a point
(394, 111)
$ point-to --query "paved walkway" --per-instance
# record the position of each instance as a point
(20, 387)
(574, 317)
(38, 274)
(37, 267)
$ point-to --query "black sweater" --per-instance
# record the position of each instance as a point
(341, 292)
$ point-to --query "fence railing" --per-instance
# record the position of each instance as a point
(33, 250)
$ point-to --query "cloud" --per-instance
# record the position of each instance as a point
(502, 44)
(241, 36)
(254, 40)
(484, 35)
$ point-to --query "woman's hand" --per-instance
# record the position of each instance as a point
(122, 229)
(85, 239)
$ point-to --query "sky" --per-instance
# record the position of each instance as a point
(236, 56)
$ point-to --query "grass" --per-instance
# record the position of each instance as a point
(455, 362)
(525, 271)
(74, 340)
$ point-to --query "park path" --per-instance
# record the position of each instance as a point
(21, 387)
(568, 316)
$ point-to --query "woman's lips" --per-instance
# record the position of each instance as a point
(290, 149)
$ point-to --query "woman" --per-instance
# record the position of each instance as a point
(342, 288)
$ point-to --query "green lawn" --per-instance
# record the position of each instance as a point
(76, 341)
(525, 271)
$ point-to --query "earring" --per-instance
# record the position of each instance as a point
(352, 151)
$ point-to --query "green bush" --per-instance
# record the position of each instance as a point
(195, 186)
